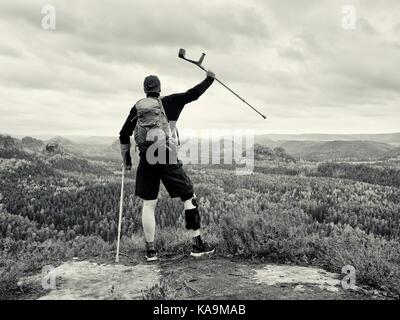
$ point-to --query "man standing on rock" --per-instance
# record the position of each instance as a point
(152, 120)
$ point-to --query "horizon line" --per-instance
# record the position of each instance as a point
(256, 134)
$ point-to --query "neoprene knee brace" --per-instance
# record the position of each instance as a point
(192, 217)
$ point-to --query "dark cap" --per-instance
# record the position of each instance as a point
(152, 84)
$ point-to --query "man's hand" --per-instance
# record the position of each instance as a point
(127, 170)
(126, 156)
(210, 74)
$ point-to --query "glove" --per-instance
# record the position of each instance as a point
(126, 156)
(210, 74)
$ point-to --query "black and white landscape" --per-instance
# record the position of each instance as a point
(318, 217)
(321, 209)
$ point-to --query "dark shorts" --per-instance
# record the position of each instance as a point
(173, 177)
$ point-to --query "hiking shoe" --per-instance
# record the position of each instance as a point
(151, 255)
(201, 250)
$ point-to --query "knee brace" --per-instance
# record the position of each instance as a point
(192, 217)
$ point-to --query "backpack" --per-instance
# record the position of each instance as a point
(151, 116)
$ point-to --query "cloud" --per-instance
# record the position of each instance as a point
(367, 27)
(396, 28)
(292, 59)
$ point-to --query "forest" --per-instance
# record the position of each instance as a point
(57, 206)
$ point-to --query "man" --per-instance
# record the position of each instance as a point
(161, 113)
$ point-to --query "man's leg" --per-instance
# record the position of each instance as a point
(147, 186)
(178, 184)
(148, 220)
(149, 228)
(192, 218)
(188, 204)
(191, 213)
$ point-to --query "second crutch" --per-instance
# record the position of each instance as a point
(121, 207)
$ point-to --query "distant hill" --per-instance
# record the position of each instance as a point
(337, 150)
(265, 141)
(43, 157)
(392, 154)
(90, 150)
(306, 149)
(97, 140)
(275, 154)
(389, 138)
(299, 148)
(30, 144)
(9, 143)
(13, 147)
(61, 141)
(80, 139)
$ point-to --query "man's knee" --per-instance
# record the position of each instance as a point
(192, 217)
(150, 204)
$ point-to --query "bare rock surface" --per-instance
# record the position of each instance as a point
(288, 274)
(83, 280)
(188, 278)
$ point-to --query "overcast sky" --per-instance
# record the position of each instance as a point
(291, 59)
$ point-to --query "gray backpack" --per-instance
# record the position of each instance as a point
(151, 116)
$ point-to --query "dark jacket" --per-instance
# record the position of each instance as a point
(173, 106)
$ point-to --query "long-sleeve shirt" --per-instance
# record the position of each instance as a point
(173, 106)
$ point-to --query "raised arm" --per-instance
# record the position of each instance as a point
(193, 93)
